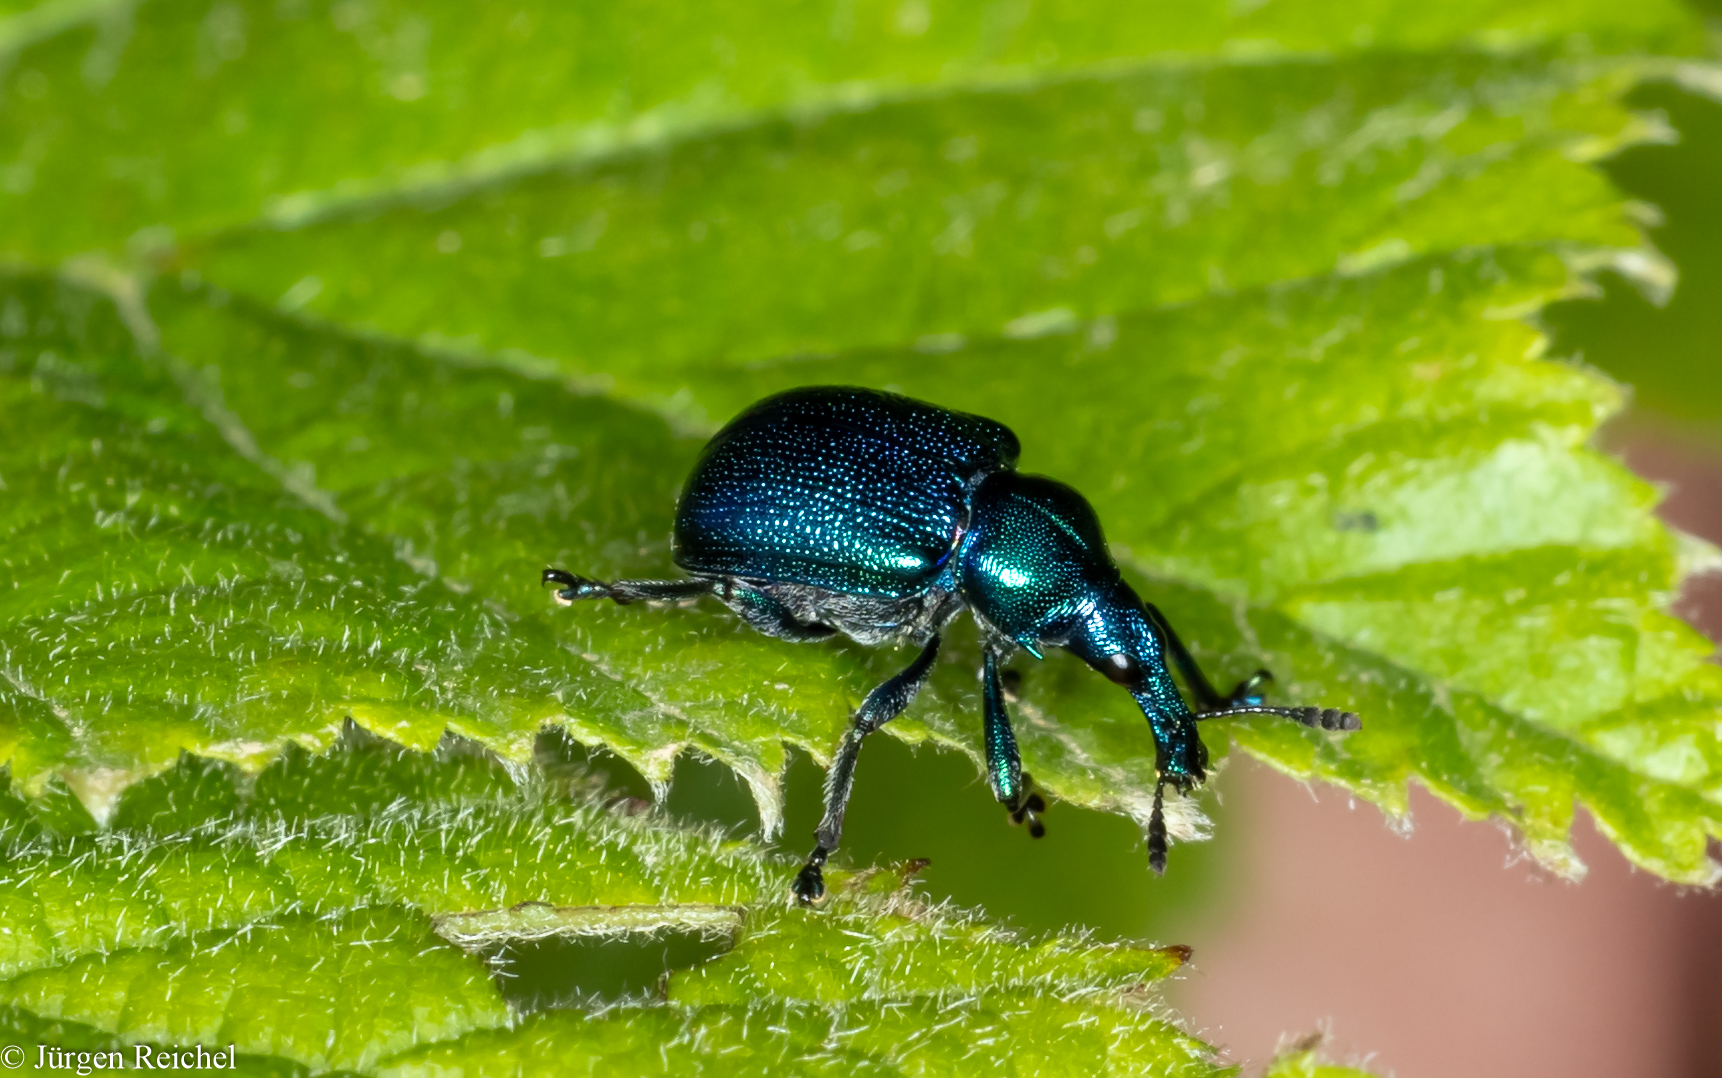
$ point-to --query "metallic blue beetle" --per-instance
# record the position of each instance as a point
(842, 510)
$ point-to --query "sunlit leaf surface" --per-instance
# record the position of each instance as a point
(329, 935)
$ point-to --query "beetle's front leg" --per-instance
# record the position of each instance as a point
(1011, 785)
(883, 704)
(1180, 758)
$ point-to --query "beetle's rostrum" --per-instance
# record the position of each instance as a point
(835, 509)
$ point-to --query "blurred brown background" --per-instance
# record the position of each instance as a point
(1438, 953)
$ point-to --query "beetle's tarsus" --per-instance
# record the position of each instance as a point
(809, 886)
(1157, 833)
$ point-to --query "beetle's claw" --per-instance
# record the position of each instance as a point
(809, 886)
(1027, 807)
(1157, 833)
(1029, 817)
(574, 588)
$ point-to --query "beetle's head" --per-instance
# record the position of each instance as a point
(1036, 568)
(1116, 637)
(1114, 634)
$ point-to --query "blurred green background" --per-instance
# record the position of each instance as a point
(1672, 354)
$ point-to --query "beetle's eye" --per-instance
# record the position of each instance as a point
(1121, 668)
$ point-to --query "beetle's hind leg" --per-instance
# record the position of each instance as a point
(756, 606)
(1013, 787)
(882, 705)
(575, 588)
(767, 614)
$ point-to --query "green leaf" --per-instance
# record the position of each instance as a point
(329, 939)
(1018, 211)
(1263, 312)
(162, 536)
(1391, 490)
(1020, 1034)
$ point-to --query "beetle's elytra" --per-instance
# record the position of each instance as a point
(834, 509)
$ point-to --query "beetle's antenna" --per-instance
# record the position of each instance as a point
(1325, 718)
(1157, 833)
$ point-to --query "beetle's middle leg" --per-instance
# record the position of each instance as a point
(767, 614)
(882, 705)
(1011, 785)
